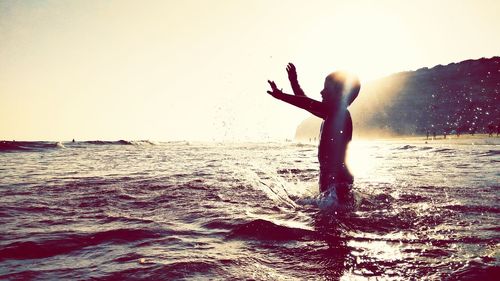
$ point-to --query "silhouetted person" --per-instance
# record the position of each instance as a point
(427, 135)
(433, 135)
(340, 90)
(491, 129)
(473, 131)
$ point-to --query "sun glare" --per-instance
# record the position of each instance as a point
(359, 161)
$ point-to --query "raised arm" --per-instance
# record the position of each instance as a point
(292, 76)
(315, 107)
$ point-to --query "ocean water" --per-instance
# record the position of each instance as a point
(232, 211)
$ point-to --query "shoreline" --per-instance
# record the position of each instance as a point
(453, 139)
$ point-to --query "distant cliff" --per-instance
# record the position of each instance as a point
(460, 97)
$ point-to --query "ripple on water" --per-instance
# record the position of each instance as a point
(178, 211)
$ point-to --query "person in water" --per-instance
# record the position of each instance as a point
(340, 90)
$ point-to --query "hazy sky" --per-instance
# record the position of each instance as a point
(197, 70)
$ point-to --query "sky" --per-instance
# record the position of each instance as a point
(197, 70)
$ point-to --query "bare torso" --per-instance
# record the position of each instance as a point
(336, 133)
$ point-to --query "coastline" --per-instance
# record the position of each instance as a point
(450, 139)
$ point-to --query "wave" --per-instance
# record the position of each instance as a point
(491, 153)
(28, 145)
(100, 142)
(178, 270)
(473, 209)
(265, 230)
(405, 147)
(120, 142)
(68, 243)
(219, 224)
(476, 270)
(444, 150)
(144, 142)
(7, 146)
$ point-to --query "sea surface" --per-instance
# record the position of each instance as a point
(248, 211)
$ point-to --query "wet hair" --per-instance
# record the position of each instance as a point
(344, 84)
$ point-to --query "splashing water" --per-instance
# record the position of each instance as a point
(247, 211)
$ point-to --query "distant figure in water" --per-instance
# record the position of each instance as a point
(340, 90)
(491, 129)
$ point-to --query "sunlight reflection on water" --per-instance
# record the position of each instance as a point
(233, 211)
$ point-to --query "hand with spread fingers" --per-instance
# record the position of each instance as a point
(292, 72)
(274, 89)
(292, 76)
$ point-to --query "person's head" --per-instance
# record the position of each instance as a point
(341, 89)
